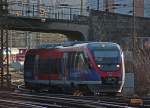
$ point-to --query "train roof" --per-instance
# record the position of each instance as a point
(74, 44)
(94, 45)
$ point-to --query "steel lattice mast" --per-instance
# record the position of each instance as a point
(4, 58)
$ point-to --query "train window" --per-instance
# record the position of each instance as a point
(76, 60)
(43, 65)
(76, 64)
(29, 62)
(70, 61)
(30, 58)
(81, 63)
(55, 66)
(65, 58)
(106, 53)
(47, 66)
(107, 56)
(58, 66)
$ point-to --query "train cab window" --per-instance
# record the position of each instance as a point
(106, 53)
(107, 56)
(108, 59)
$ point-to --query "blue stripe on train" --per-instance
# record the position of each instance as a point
(84, 75)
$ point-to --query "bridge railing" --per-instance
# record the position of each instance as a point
(53, 12)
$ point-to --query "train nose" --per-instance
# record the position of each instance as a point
(110, 80)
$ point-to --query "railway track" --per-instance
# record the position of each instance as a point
(113, 100)
(146, 102)
(49, 101)
(30, 99)
(5, 103)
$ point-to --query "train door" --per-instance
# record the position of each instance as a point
(81, 65)
(65, 57)
(73, 72)
(77, 66)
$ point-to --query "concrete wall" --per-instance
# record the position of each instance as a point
(115, 27)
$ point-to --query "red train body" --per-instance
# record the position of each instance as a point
(93, 67)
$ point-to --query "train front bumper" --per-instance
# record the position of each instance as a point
(101, 88)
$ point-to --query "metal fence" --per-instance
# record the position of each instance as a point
(54, 12)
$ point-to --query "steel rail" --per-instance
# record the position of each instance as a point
(16, 103)
(69, 101)
(108, 100)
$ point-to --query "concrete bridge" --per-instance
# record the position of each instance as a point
(96, 25)
(74, 30)
(50, 19)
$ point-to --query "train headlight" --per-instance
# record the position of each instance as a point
(99, 66)
(118, 66)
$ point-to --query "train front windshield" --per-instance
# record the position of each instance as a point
(106, 53)
(107, 60)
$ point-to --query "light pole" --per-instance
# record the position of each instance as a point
(134, 40)
(133, 28)
(97, 4)
(81, 7)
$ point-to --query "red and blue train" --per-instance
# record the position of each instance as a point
(90, 67)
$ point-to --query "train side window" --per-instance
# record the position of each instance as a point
(70, 61)
(30, 58)
(64, 64)
(43, 66)
(82, 63)
(87, 60)
(55, 66)
(29, 62)
(58, 64)
(87, 63)
(76, 60)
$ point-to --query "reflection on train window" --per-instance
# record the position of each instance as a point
(70, 61)
(77, 62)
(82, 63)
